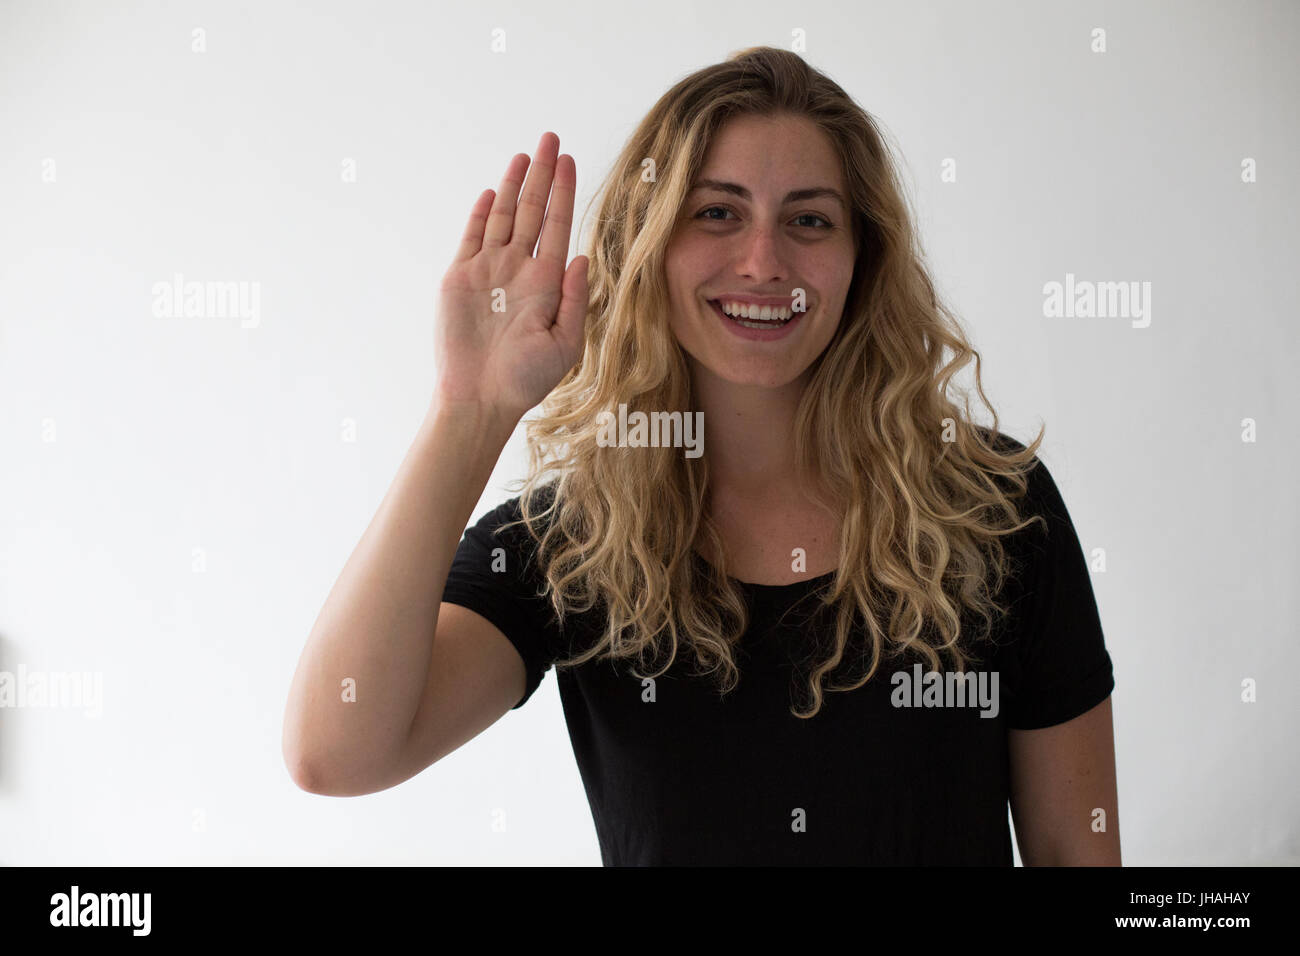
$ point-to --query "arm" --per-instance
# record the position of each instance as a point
(378, 623)
(1059, 775)
(509, 326)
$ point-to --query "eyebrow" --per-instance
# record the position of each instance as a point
(795, 195)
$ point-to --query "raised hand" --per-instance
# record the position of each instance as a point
(509, 360)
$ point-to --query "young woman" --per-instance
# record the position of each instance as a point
(847, 630)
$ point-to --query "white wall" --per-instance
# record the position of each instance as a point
(178, 496)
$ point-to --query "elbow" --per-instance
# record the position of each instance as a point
(316, 776)
(300, 772)
(307, 777)
(1096, 852)
(303, 777)
(305, 773)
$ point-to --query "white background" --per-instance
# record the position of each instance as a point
(129, 441)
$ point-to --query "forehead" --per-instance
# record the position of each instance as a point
(771, 152)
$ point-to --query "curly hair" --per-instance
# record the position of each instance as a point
(927, 492)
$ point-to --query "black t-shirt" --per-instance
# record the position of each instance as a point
(694, 778)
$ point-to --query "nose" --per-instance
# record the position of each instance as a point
(759, 255)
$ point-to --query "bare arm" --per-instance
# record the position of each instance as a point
(509, 326)
(1059, 777)
(377, 625)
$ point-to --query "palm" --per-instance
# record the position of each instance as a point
(509, 323)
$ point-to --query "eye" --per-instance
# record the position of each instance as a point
(812, 215)
(703, 214)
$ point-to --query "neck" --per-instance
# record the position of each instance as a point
(749, 437)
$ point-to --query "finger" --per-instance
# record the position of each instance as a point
(472, 240)
(571, 319)
(559, 215)
(532, 204)
(502, 217)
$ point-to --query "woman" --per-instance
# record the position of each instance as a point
(848, 632)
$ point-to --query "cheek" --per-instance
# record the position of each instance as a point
(693, 254)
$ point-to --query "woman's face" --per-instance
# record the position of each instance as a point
(746, 239)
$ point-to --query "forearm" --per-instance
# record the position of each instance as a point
(377, 625)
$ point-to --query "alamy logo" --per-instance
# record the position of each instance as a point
(951, 689)
(656, 430)
(179, 299)
(102, 909)
(53, 689)
(1098, 300)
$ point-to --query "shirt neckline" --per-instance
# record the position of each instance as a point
(806, 582)
(771, 588)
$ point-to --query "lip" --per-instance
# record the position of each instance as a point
(745, 299)
(754, 335)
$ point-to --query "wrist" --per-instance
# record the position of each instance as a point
(483, 418)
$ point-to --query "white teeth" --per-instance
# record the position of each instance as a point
(758, 312)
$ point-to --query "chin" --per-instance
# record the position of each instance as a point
(754, 377)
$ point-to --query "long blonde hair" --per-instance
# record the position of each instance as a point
(928, 492)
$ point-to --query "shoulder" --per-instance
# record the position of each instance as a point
(1000, 441)
(1042, 496)
(505, 525)
(497, 522)
(512, 509)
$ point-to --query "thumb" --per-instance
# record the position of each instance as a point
(571, 318)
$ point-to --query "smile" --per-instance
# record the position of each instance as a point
(756, 330)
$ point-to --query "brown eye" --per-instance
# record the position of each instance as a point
(813, 215)
(702, 212)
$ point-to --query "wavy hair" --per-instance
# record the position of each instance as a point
(926, 493)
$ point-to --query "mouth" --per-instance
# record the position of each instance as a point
(756, 329)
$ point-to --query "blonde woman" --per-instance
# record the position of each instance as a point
(850, 627)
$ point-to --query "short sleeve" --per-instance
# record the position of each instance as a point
(493, 574)
(1062, 667)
